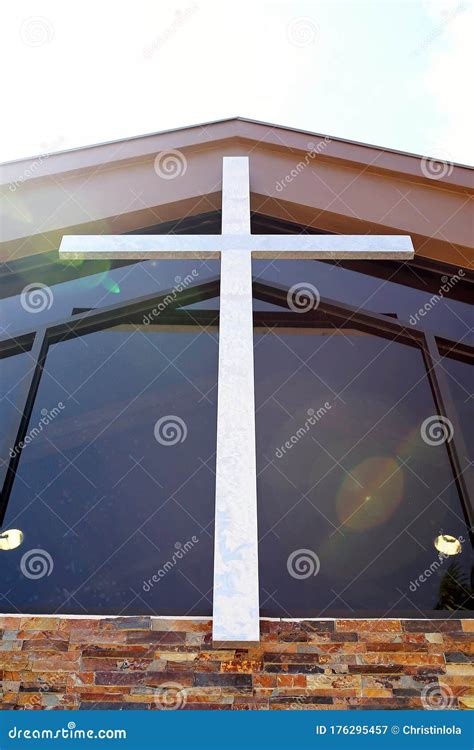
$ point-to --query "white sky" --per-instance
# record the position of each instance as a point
(394, 74)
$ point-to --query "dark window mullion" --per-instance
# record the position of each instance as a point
(456, 446)
(24, 405)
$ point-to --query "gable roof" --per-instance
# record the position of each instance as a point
(334, 184)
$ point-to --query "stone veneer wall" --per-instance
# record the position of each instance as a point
(143, 663)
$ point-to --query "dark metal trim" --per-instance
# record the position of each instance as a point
(346, 316)
(17, 344)
(18, 430)
(456, 447)
(94, 320)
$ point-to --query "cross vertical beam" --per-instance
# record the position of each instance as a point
(236, 603)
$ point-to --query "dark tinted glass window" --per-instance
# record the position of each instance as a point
(346, 481)
(115, 496)
(422, 304)
(44, 297)
(352, 492)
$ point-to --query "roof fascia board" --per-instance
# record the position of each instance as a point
(211, 134)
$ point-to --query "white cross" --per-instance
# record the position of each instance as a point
(236, 602)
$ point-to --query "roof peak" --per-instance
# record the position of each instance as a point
(217, 122)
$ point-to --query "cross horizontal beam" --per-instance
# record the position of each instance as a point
(182, 246)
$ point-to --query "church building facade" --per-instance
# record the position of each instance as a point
(237, 425)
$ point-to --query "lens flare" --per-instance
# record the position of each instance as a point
(410, 444)
(370, 493)
(111, 285)
(97, 279)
